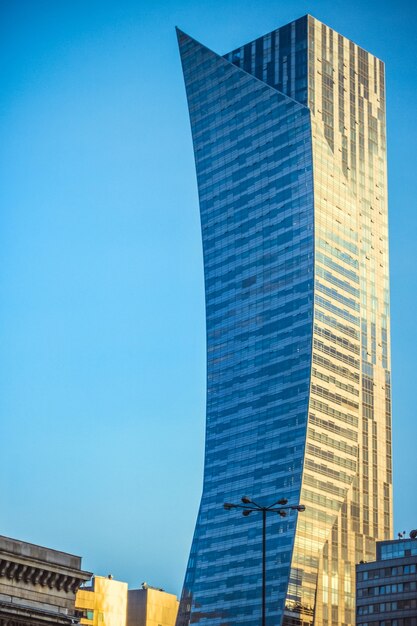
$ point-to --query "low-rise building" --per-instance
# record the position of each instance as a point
(386, 589)
(151, 606)
(38, 585)
(103, 602)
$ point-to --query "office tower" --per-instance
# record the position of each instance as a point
(151, 606)
(103, 602)
(386, 589)
(289, 144)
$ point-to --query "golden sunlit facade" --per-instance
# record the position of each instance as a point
(347, 479)
(104, 602)
(151, 607)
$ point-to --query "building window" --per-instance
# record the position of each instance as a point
(88, 614)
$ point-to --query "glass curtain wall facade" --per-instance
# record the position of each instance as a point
(289, 143)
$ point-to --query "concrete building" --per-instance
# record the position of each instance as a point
(386, 589)
(150, 606)
(290, 150)
(38, 585)
(103, 602)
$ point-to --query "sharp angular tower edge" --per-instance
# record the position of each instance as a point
(289, 144)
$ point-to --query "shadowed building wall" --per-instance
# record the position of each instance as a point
(386, 589)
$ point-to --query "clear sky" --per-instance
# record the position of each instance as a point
(102, 329)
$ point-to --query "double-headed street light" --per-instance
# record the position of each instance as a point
(280, 507)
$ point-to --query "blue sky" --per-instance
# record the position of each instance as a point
(102, 373)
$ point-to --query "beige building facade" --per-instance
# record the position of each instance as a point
(151, 607)
(103, 602)
(38, 585)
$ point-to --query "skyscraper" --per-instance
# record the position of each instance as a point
(289, 144)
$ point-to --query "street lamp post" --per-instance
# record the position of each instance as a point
(280, 507)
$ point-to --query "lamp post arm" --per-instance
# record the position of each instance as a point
(250, 505)
(258, 506)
